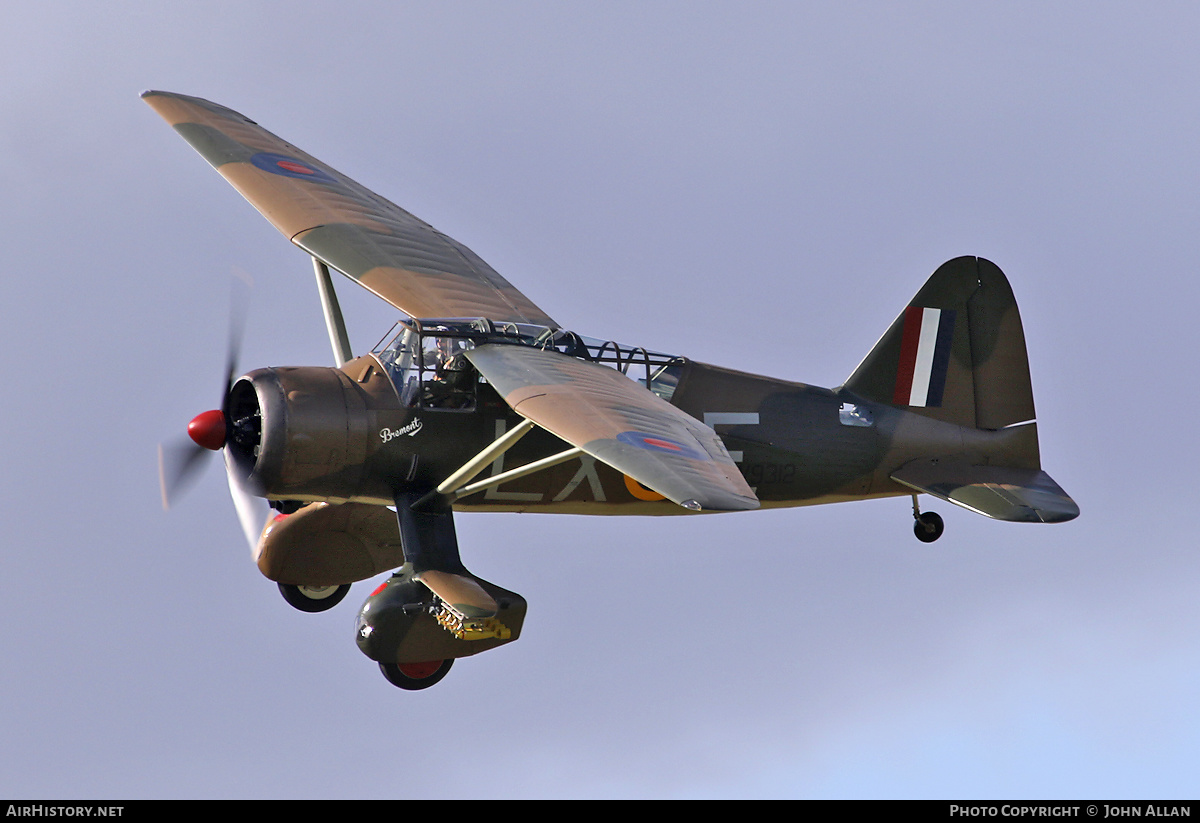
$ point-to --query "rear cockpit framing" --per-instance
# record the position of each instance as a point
(425, 358)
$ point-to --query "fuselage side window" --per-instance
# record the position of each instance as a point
(401, 358)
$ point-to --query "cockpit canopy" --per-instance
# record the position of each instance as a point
(425, 357)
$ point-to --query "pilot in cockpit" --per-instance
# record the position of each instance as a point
(447, 374)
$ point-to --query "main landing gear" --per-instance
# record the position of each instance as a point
(928, 526)
(416, 676)
(313, 599)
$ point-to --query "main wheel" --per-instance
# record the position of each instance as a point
(313, 599)
(929, 527)
(416, 676)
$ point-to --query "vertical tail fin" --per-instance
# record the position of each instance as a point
(956, 353)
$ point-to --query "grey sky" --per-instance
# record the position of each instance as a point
(762, 186)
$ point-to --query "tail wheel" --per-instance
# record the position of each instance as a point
(313, 599)
(416, 676)
(928, 527)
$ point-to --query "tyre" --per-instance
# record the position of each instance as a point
(313, 598)
(929, 527)
(416, 676)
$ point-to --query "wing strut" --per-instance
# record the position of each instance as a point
(335, 324)
(486, 457)
(520, 471)
(459, 483)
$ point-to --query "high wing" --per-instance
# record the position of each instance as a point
(397, 256)
(424, 273)
(615, 420)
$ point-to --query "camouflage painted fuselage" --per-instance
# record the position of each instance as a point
(795, 444)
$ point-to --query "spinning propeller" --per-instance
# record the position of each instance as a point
(180, 463)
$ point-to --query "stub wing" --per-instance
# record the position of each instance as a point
(615, 420)
(1020, 495)
(397, 256)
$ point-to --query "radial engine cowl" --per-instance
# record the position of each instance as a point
(298, 433)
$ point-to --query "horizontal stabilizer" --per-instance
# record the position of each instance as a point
(620, 423)
(1019, 495)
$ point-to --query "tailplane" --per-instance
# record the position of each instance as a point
(999, 492)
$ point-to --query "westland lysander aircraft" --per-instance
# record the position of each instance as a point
(479, 401)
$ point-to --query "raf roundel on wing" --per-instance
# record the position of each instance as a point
(289, 167)
(660, 444)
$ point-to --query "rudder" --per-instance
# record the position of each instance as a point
(956, 353)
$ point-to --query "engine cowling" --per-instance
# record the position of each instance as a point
(299, 433)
